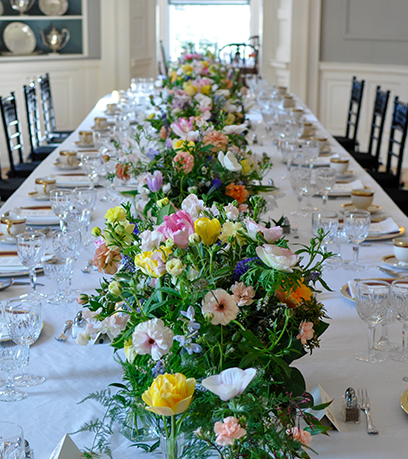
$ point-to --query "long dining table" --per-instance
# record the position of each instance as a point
(72, 371)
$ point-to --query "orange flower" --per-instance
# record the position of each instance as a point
(106, 260)
(122, 172)
(163, 133)
(301, 293)
(217, 139)
(228, 84)
(238, 192)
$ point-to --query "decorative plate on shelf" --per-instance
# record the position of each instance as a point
(19, 38)
(53, 7)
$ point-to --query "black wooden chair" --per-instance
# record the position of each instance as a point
(8, 186)
(349, 141)
(242, 56)
(14, 139)
(391, 177)
(38, 152)
(370, 160)
(51, 133)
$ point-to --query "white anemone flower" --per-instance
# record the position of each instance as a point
(229, 161)
(229, 383)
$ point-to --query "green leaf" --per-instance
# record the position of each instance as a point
(164, 211)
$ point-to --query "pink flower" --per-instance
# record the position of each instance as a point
(184, 161)
(270, 234)
(178, 227)
(243, 208)
(242, 294)
(228, 431)
(221, 305)
(182, 128)
(217, 139)
(152, 337)
(277, 258)
(106, 260)
(114, 325)
(306, 332)
(303, 436)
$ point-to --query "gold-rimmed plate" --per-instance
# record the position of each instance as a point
(391, 260)
(345, 290)
(37, 196)
(384, 237)
(372, 209)
(404, 401)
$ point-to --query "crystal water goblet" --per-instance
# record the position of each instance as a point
(372, 304)
(356, 227)
(399, 304)
(58, 270)
(90, 165)
(326, 179)
(12, 357)
(102, 139)
(60, 202)
(328, 221)
(12, 444)
(310, 151)
(300, 178)
(30, 251)
(85, 200)
(108, 176)
(24, 320)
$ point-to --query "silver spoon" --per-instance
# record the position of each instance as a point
(87, 269)
(63, 337)
(392, 272)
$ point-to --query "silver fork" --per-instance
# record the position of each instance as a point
(63, 337)
(364, 403)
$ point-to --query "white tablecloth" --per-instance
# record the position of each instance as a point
(72, 371)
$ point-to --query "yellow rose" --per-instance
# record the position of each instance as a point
(169, 394)
(175, 267)
(153, 263)
(190, 89)
(230, 119)
(187, 69)
(115, 288)
(115, 213)
(179, 145)
(162, 202)
(208, 230)
(231, 229)
(96, 231)
(151, 116)
(206, 89)
(246, 166)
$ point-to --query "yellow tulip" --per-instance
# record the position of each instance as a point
(179, 145)
(153, 263)
(173, 76)
(208, 230)
(115, 214)
(231, 229)
(230, 119)
(246, 166)
(187, 69)
(169, 394)
(190, 89)
(206, 89)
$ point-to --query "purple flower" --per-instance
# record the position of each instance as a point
(158, 369)
(215, 184)
(152, 153)
(154, 181)
(169, 143)
(243, 266)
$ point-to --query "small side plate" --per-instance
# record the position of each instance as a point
(345, 291)
(37, 196)
(390, 260)
(372, 209)
(384, 237)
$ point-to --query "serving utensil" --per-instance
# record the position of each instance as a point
(63, 337)
(364, 403)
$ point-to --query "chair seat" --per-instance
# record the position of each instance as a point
(348, 144)
(400, 197)
(58, 136)
(41, 153)
(385, 179)
(366, 160)
(23, 169)
(9, 186)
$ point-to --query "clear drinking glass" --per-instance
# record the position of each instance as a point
(328, 221)
(399, 303)
(90, 165)
(300, 178)
(325, 179)
(60, 202)
(12, 357)
(85, 200)
(58, 271)
(107, 172)
(12, 445)
(356, 227)
(31, 251)
(372, 304)
(24, 320)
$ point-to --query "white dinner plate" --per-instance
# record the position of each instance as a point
(19, 38)
(84, 145)
(72, 180)
(53, 7)
(39, 215)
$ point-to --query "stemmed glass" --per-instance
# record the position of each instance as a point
(300, 178)
(31, 250)
(12, 444)
(356, 227)
(60, 202)
(85, 200)
(329, 222)
(325, 179)
(90, 165)
(12, 357)
(24, 320)
(372, 304)
(399, 303)
(107, 172)
(58, 271)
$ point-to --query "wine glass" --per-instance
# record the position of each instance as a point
(31, 250)
(372, 304)
(325, 179)
(58, 271)
(328, 221)
(60, 201)
(24, 320)
(399, 303)
(102, 140)
(90, 165)
(12, 357)
(300, 178)
(108, 176)
(85, 200)
(12, 444)
(356, 227)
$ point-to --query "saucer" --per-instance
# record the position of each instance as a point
(68, 167)
(347, 174)
(391, 260)
(109, 113)
(325, 151)
(84, 145)
(404, 401)
(372, 209)
(37, 196)
(7, 240)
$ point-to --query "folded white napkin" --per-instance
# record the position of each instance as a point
(344, 189)
(39, 216)
(66, 449)
(72, 180)
(10, 264)
(383, 227)
(352, 288)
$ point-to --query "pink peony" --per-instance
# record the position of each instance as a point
(184, 161)
(152, 337)
(221, 305)
(270, 234)
(303, 436)
(178, 227)
(306, 332)
(228, 431)
(277, 258)
(106, 260)
(242, 294)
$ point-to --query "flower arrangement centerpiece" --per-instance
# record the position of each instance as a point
(207, 308)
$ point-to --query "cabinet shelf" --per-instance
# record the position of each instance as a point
(40, 18)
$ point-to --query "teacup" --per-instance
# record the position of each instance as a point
(101, 122)
(400, 246)
(297, 113)
(308, 129)
(68, 157)
(362, 198)
(321, 141)
(85, 137)
(111, 108)
(288, 102)
(11, 226)
(44, 185)
(282, 90)
(340, 165)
